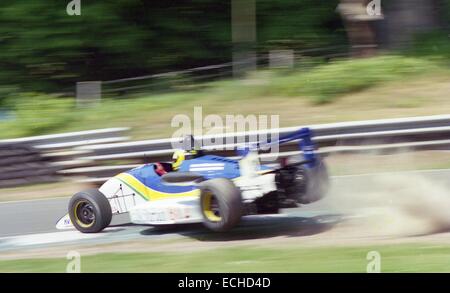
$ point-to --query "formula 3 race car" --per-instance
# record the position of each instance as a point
(198, 188)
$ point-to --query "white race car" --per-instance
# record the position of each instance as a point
(198, 188)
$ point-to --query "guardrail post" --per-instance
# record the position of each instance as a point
(89, 93)
(281, 59)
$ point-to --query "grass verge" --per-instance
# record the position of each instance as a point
(394, 258)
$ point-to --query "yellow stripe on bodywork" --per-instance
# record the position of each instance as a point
(151, 194)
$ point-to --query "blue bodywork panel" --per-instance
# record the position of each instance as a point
(212, 167)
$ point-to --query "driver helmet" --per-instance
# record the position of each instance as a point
(179, 156)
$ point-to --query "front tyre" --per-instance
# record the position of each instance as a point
(90, 211)
(221, 204)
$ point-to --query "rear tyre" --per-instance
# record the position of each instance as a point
(221, 204)
(316, 183)
(308, 185)
(90, 211)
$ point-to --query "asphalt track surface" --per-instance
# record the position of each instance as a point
(32, 223)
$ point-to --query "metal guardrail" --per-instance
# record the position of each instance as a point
(48, 141)
(100, 154)
(333, 133)
(381, 136)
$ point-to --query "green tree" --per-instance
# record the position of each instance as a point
(44, 49)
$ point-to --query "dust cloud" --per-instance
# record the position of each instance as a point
(393, 204)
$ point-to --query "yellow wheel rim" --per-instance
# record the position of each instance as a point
(77, 210)
(209, 209)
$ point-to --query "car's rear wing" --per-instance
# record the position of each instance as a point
(306, 145)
